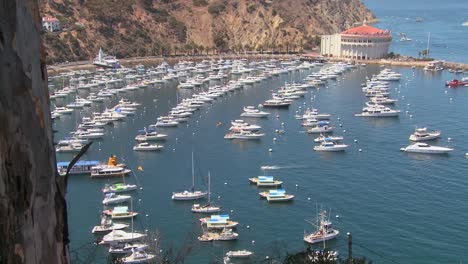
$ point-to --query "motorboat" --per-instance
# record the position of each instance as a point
(427, 149)
(277, 102)
(244, 135)
(265, 181)
(324, 232)
(102, 171)
(112, 198)
(71, 147)
(119, 188)
(421, 134)
(329, 145)
(145, 146)
(314, 114)
(138, 255)
(227, 234)
(120, 236)
(108, 225)
(323, 138)
(321, 127)
(376, 110)
(239, 254)
(238, 125)
(166, 122)
(192, 194)
(251, 111)
(125, 248)
(382, 100)
(120, 212)
(63, 110)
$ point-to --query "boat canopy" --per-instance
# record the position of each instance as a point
(265, 178)
(79, 163)
(120, 210)
(219, 217)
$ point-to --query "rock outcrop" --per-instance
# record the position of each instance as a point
(33, 219)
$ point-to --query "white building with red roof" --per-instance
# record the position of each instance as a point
(51, 24)
(363, 42)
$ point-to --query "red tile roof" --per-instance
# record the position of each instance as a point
(366, 30)
(49, 19)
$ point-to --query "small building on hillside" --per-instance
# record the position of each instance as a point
(362, 43)
(51, 24)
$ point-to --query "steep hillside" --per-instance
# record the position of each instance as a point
(153, 27)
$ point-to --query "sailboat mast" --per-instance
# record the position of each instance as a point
(193, 173)
(209, 187)
(428, 40)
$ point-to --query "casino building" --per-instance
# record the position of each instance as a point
(363, 43)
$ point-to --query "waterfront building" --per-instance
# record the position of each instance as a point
(363, 42)
(51, 24)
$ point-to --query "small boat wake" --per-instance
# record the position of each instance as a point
(277, 167)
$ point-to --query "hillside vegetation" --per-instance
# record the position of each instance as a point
(129, 28)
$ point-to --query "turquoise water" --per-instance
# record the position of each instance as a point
(400, 208)
(442, 19)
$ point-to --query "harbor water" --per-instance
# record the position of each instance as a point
(400, 208)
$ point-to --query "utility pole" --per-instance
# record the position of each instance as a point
(350, 248)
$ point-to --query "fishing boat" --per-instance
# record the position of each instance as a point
(119, 188)
(426, 149)
(324, 230)
(265, 181)
(421, 134)
(330, 146)
(192, 194)
(120, 212)
(145, 146)
(218, 222)
(206, 208)
(120, 236)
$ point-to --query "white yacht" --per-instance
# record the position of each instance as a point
(329, 145)
(71, 147)
(145, 146)
(427, 149)
(227, 235)
(150, 135)
(138, 255)
(323, 138)
(63, 110)
(238, 125)
(376, 110)
(383, 100)
(324, 230)
(166, 121)
(321, 127)
(239, 254)
(277, 102)
(119, 188)
(106, 61)
(251, 111)
(242, 134)
(120, 212)
(421, 134)
(125, 248)
(108, 171)
(120, 236)
(112, 198)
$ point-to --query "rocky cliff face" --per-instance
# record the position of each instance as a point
(33, 217)
(154, 27)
